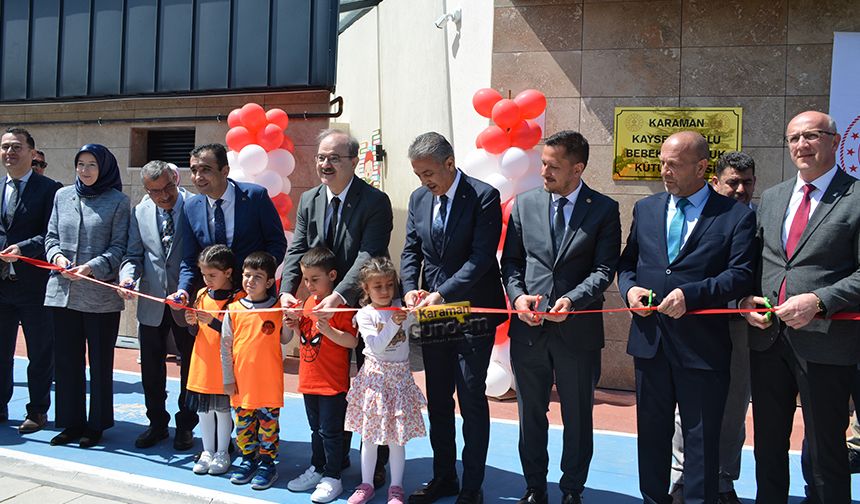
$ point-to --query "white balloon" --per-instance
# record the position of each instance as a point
(239, 175)
(287, 186)
(282, 161)
(514, 163)
(498, 380)
(232, 157)
(271, 181)
(502, 354)
(253, 159)
(527, 183)
(480, 163)
(500, 182)
(535, 163)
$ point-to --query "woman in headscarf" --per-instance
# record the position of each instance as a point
(87, 236)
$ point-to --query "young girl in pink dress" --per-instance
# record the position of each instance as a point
(384, 401)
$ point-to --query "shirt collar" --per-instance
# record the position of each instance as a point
(228, 196)
(453, 189)
(696, 199)
(341, 196)
(570, 197)
(821, 183)
(23, 179)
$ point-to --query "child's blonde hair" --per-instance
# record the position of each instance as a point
(375, 266)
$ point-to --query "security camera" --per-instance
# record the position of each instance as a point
(454, 17)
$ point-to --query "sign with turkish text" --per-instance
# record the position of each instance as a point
(641, 131)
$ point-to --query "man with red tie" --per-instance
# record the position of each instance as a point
(809, 233)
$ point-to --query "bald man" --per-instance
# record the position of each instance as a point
(689, 248)
(809, 228)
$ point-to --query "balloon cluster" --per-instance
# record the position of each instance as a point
(260, 152)
(506, 159)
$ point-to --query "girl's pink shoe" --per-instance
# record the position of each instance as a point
(395, 495)
(363, 493)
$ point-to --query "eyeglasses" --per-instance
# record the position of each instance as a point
(38, 164)
(11, 147)
(809, 136)
(332, 158)
(164, 190)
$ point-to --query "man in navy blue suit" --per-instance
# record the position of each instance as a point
(236, 214)
(25, 207)
(689, 248)
(452, 233)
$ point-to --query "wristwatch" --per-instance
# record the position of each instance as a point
(820, 305)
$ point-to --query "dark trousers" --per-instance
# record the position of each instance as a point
(700, 396)
(153, 370)
(382, 452)
(536, 366)
(38, 325)
(325, 417)
(778, 375)
(460, 366)
(78, 333)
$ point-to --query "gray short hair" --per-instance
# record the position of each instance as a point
(351, 145)
(153, 170)
(431, 145)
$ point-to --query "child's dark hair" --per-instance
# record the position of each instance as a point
(319, 257)
(217, 256)
(261, 260)
(375, 266)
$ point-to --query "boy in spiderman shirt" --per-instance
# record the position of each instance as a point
(325, 341)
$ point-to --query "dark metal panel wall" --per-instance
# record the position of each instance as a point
(70, 49)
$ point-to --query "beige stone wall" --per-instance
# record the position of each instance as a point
(770, 57)
(62, 141)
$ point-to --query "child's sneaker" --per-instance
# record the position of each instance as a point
(395, 495)
(203, 463)
(327, 490)
(266, 475)
(363, 493)
(305, 481)
(220, 463)
(245, 471)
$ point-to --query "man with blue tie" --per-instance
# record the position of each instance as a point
(689, 248)
(452, 232)
(237, 214)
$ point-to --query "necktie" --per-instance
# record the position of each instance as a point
(676, 229)
(220, 224)
(437, 231)
(12, 205)
(798, 224)
(167, 230)
(558, 225)
(331, 232)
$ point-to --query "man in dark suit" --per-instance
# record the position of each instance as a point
(352, 219)
(690, 248)
(809, 233)
(151, 266)
(568, 272)
(237, 214)
(452, 232)
(27, 201)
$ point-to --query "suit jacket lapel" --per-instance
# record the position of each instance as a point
(545, 220)
(783, 198)
(659, 216)
(456, 210)
(706, 218)
(838, 186)
(149, 232)
(583, 203)
(353, 197)
(319, 208)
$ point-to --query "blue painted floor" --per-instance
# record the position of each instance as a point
(612, 479)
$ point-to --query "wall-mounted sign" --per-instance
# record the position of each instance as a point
(640, 131)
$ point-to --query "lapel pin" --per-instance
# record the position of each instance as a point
(588, 200)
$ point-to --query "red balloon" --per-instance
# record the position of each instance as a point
(536, 131)
(271, 137)
(495, 140)
(532, 103)
(233, 118)
(253, 117)
(484, 99)
(525, 134)
(238, 137)
(279, 117)
(288, 144)
(506, 113)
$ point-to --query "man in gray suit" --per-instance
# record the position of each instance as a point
(809, 232)
(735, 178)
(151, 266)
(560, 254)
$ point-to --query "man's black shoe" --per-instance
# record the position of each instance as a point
(183, 440)
(470, 497)
(67, 436)
(150, 437)
(571, 498)
(854, 460)
(533, 496)
(730, 497)
(379, 476)
(435, 490)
